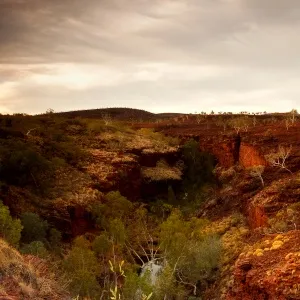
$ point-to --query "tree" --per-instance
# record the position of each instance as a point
(21, 164)
(257, 171)
(199, 118)
(191, 256)
(10, 229)
(49, 111)
(36, 248)
(294, 113)
(278, 159)
(55, 238)
(34, 228)
(82, 266)
(114, 206)
(288, 123)
(240, 123)
(106, 118)
(199, 166)
(222, 122)
(136, 287)
(254, 121)
(102, 245)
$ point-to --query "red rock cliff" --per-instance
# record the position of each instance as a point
(250, 156)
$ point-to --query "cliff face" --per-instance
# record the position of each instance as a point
(250, 156)
(278, 197)
(233, 151)
(268, 264)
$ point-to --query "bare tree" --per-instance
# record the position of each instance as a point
(257, 171)
(238, 124)
(294, 112)
(106, 118)
(30, 130)
(278, 159)
(254, 121)
(222, 122)
(199, 118)
(288, 123)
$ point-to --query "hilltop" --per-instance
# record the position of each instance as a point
(117, 113)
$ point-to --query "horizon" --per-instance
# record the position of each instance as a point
(216, 113)
(176, 56)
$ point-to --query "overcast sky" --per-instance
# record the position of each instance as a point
(158, 55)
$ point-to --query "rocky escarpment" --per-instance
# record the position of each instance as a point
(108, 171)
(247, 148)
(126, 172)
(268, 267)
(268, 270)
(278, 197)
(250, 156)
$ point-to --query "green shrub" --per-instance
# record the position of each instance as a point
(135, 286)
(21, 164)
(10, 229)
(199, 165)
(36, 248)
(115, 206)
(192, 256)
(68, 151)
(82, 267)
(34, 228)
(101, 245)
(55, 238)
(198, 173)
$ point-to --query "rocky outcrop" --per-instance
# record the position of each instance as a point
(257, 217)
(225, 152)
(272, 199)
(268, 270)
(250, 156)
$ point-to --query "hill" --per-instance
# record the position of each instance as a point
(114, 113)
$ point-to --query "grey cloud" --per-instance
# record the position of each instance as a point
(254, 43)
(91, 31)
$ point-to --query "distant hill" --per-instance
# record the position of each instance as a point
(119, 113)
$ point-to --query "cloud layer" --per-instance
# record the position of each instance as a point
(159, 55)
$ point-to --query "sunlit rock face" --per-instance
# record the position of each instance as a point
(250, 156)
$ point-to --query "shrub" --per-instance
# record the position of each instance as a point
(135, 286)
(82, 266)
(67, 151)
(35, 229)
(55, 238)
(115, 206)
(10, 229)
(199, 165)
(193, 256)
(226, 175)
(20, 164)
(36, 248)
(101, 245)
